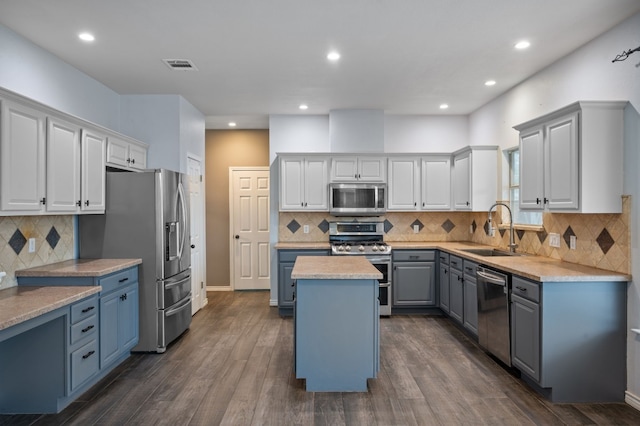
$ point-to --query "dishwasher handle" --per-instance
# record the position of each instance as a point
(492, 278)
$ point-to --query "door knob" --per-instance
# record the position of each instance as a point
(193, 246)
(237, 237)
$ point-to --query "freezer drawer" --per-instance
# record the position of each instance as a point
(174, 289)
(173, 321)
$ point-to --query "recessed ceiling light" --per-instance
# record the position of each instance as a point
(303, 106)
(333, 56)
(444, 106)
(490, 83)
(232, 124)
(522, 44)
(86, 37)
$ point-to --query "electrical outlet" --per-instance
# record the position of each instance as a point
(554, 240)
(416, 229)
(572, 242)
(305, 229)
(32, 245)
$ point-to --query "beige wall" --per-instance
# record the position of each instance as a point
(224, 149)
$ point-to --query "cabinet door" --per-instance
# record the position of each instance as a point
(128, 319)
(436, 183)
(22, 158)
(525, 336)
(315, 184)
(109, 344)
(532, 169)
(462, 182)
(117, 152)
(138, 157)
(403, 184)
(93, 171)
(372, 169)
(285, 285)
(292, 183)
(444, 288)
(456, 295)
(470, 304)
(63, 166)
(344, 169)
(413, 284)
(561, 184)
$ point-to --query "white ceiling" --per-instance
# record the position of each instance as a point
(262, 57)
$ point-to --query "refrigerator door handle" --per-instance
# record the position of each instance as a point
(183, 222)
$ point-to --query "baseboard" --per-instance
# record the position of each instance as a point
(219, 288)
(632, 400)
(273, 302)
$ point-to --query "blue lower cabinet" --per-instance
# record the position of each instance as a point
(118, 323)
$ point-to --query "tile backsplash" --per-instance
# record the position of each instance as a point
(603, 240)
(54, 242)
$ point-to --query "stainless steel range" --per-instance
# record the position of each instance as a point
(365, 239)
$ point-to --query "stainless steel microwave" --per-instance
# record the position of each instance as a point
(357, 199)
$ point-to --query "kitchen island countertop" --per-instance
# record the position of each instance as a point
(79, 268)
(334, 267)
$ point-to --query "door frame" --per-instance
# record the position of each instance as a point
(232, 278)
(203, 232)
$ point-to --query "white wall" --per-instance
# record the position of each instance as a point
(425, 133)
(586, 74)
(192, 134)
(356, 130)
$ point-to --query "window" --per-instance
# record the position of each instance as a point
(519, 217)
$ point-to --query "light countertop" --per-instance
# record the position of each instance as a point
(536, 268)
(19, 304)
(334, 267)
(79, 268)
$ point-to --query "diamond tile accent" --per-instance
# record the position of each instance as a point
(17, 241)
(324, 226)
(542, 235)
(569, 233)
(53, 237)
(448, 225)
(520, 233)
(293, 226)
(605, 241)
(417, 222)
(387, 226)
(486, 227)
(474, 226)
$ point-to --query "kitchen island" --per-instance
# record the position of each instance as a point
(336, 322)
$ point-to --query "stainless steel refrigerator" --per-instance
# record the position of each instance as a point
(147, 217)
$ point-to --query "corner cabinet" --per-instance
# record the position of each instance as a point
(571, 159)
(286, 260)
(475, 178)
(304, 183)
(443, 281)
(126, 154)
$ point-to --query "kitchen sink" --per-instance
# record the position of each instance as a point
(491, 252)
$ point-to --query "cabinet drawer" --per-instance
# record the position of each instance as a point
(455, 262)
(118, 279)
(469, 267)
(84, 309)
(444, 258)
(414, 255)
(84, 328)
(291, 255)
(527, 289)
(84, 363)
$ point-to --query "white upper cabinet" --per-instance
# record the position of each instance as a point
(404, 184)
(436, 182)
(22, 158)
(93, 171)
(475, 178)
(360, 168)
(571, 159)
(304, 183)
(126, 154)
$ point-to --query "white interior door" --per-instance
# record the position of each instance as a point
(196, 204)
(249, 213)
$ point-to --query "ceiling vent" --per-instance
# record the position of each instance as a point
(180, 64)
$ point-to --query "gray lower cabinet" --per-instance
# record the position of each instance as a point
(286, 260)
(443, 281)
(470, 296)
(413, 283)
(456, 289)
(568, 338)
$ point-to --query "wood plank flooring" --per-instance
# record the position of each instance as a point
(234, 367)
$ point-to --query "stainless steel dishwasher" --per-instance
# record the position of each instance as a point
(494, 334)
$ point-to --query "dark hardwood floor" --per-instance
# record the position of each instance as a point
(234, 367)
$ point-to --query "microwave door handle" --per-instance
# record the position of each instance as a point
(375, 197)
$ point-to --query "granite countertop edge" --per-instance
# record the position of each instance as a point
(20, 304)
(334, 267)
(536, 268)
(79, 268)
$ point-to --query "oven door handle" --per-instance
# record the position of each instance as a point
(379, 259)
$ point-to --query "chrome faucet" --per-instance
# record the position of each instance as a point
(512, 241)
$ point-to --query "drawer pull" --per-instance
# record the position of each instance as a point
(521, 288)
(85, 310)
(414, 257)
(88, 354)
(121, 280)
(84, 330)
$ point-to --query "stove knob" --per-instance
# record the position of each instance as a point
(340, 248)
(361, 248)
(375, 248)
(347, 248)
